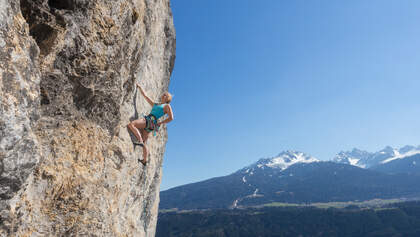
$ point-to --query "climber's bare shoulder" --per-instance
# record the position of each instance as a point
(168, 110)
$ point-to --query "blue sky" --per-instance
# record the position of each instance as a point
(254, 78)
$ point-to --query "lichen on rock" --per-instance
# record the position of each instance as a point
(68, 70)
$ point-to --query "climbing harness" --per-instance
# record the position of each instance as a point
(151, 124)
(152, 118)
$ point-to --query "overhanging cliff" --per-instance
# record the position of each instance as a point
(68, 70)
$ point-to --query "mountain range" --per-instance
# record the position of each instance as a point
(295, 177)
(366, 159)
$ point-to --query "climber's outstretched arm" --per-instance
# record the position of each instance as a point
(145, 96)
(168, 110)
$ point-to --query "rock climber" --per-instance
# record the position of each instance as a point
(142, 127)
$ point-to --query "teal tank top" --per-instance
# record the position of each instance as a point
(157, 110)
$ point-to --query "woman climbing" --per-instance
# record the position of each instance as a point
(142, 127)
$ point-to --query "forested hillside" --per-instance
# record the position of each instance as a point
(402, 219)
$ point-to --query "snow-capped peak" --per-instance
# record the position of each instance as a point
(286, 159)
(406, 149)
(401, 156)
(365, 159)
(389, 151)
(355, 157)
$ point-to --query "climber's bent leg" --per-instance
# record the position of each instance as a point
(139, 123)
(145, 153)
(134, 127)
(144, 135)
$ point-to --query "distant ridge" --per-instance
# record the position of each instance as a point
(295, 177)
(366, 159)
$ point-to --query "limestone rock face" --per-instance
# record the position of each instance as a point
(68, 70)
